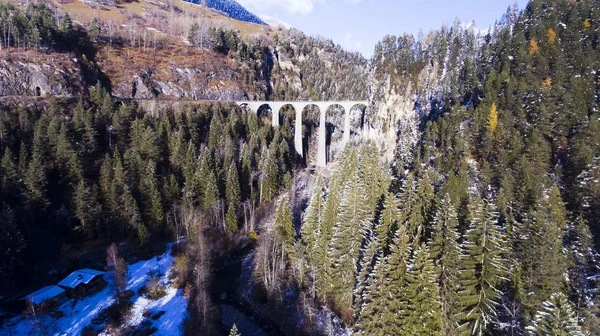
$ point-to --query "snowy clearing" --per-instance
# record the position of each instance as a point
(79, 313)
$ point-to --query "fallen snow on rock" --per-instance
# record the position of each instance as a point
(79, 313)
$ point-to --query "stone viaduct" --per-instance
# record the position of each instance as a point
(299, 106)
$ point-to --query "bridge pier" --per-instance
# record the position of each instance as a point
(298, 128)
(322, 150)
(346, 136)
(275, 109)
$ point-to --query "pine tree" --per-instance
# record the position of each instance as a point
(193, 34)
(555, 317)
(216, 131)
(446, 252)
(408, 201)
(424, 206)
(583, 255)
(178, 151)
(421, 311)
(231, 219)
(87, 209)
(9, 182)
(369, 258)
(284, 225)
(35, 183)
(584, 263)
(234, 331)
(23, 161)
(352, 222)
(390, 215)
(347, 165)
(66, 25)
(13, 246)
(544, 262)
(483, 269)
(311, 228)
(151, 198)
(125, 206)
(379, 315)
(211, 192)
(95, 30)
(195, 173)
(312, 235)
(144, 140)
(269, 174)
(232, 192)
(371, 172)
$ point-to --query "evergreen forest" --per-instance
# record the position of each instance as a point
(484, 220)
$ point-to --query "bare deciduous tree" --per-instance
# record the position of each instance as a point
(39, 323)
(268, 261)
(117, 265)
(202, 278)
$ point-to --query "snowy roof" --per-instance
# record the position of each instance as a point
(78, 277)
(45, 294)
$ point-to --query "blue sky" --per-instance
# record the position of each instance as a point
(359, 24)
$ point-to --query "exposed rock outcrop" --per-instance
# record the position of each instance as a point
(39, 75)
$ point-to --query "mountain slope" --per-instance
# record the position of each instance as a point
(274, 22)
(231, 8)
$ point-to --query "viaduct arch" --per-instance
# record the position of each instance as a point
(299, 107)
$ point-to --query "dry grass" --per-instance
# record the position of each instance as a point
(121, 14)
(122, 64)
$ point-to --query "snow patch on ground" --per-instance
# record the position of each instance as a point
(78, 313)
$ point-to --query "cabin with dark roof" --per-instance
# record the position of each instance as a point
(83, 282)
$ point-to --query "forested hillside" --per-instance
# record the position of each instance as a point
(487, 220)
(81, 172)
(144, 50)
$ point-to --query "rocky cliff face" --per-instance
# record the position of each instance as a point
(393, 115)
(40, 75)
(179, 83)
(415, 78)
(172, 74)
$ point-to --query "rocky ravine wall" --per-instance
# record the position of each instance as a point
(39, 75)
(392, 118)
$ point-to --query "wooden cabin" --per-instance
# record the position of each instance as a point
(45, 299)
(83, 282)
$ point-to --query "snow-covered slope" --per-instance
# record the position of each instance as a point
(231, 8)
(72, 317)
(274, 22)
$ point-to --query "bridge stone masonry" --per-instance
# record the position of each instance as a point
(299, 107)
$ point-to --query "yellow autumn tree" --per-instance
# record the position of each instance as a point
(533, 47)
(551, 34)
(547, 83)
(492, 119)
(586, 24)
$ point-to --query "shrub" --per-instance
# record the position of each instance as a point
(182, 263)
(155, 289)
(187, 290)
